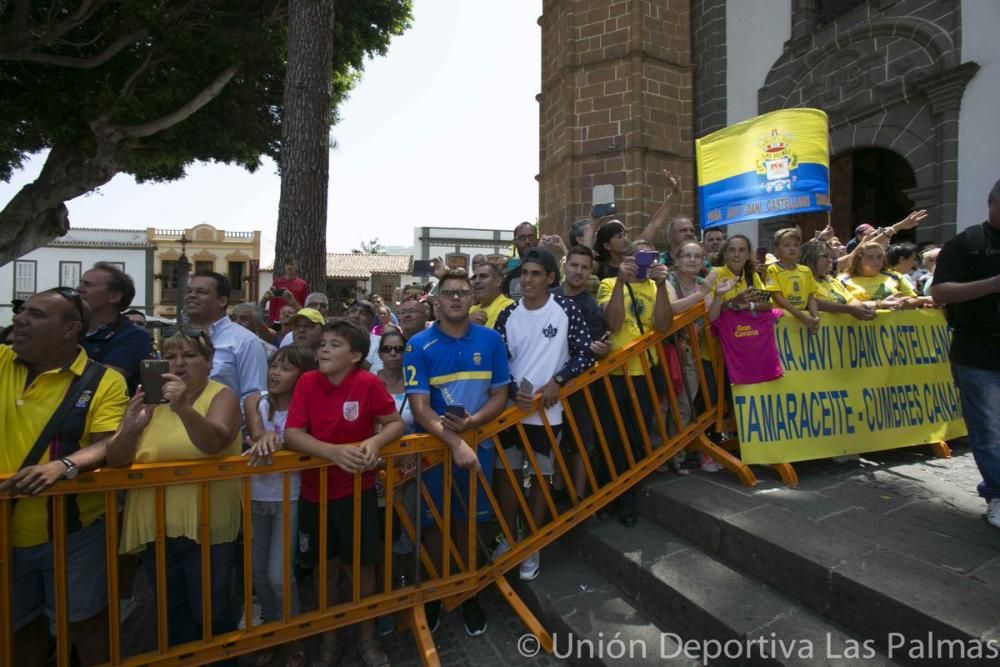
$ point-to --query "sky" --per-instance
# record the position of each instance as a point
(441, 131)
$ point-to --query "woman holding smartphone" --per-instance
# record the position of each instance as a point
(198, 418)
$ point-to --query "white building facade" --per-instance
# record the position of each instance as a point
(64, 260)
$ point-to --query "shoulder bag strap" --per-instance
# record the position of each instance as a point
(89, 379)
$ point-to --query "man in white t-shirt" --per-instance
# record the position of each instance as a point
(548, 344)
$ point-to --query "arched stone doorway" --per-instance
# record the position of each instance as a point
(870, 185)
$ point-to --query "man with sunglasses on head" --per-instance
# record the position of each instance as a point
(44, 368)
(239, 361)
(113, 339)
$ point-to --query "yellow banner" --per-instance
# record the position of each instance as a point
(853, 387)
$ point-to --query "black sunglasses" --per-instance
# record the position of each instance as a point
(71, 295)
(398, 349)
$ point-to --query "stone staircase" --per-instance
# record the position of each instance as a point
(845, 570)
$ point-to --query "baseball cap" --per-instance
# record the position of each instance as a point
(863, 228)
(544, 258)
(310, 314)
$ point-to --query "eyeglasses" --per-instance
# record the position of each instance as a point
(454, 293)
(73, 296)
(525, 237)
(386, 349)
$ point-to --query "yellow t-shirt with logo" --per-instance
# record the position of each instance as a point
(794, 284)
(645, 299)
(24, 412)
(724, 274)
(493, 310)
(831, 289)
(880, 286)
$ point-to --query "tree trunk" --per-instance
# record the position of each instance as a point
(37, 214)
(305, 140)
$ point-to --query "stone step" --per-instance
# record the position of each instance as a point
(717, 613)
(592, 622)
(905, 574)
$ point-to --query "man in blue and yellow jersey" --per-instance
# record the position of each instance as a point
(456, 376)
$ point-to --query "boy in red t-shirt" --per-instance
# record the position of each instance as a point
(332, 410)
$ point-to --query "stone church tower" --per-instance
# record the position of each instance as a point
(615, 108)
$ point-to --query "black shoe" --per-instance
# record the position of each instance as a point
(474, 617)
(628, 514)
(432, 610)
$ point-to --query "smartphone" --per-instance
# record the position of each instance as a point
(456, 410)
(423, 267)
(602, 201)
(605, 338)
(645, 259)
(151, 378)
(526, 386)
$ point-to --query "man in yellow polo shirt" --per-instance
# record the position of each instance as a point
(35, 375)
(490, 300)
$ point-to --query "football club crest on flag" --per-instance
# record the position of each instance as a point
(351, 410)
(774, 164)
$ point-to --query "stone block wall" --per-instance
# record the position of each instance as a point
(615, 108)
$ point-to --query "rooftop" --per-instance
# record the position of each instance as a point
(362, 267)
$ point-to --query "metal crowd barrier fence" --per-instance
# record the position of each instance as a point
(638, 424)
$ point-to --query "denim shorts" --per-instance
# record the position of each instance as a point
(33, 585)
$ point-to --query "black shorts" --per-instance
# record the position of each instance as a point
(536, 435)
(339, 530)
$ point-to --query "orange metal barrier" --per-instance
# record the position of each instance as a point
(649, 401)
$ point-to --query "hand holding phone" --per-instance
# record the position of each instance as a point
(151, 378)
(456, 418)
(643, 260)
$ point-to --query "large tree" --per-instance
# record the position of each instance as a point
(147, 87)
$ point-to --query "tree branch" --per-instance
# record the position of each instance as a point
(128, 88)
(104, 56)
(208, 94)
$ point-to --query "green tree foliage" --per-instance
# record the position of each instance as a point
(147, 87)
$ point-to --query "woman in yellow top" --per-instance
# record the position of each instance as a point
(733, 278)
(200, 419)
(834, 296)
(882, 288)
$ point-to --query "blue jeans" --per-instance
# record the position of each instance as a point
(980, 392)
(269, 560)
(184, 622)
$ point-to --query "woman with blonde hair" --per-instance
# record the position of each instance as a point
(881, 287)
(199, 419)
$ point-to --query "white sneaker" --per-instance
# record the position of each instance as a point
(708, 464)
(531, 566)
(501, 548)
(993, 513)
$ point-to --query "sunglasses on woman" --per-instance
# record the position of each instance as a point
(386, 349)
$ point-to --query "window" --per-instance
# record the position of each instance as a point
(69, 273)
(830, 10)
(118, 265)
(237, 270)
(201, 265)
(387, 291)
(457, 261)
(24, 278)
(168, 282)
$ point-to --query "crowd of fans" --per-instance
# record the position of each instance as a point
(448, 357)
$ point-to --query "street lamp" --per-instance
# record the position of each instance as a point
(183, 268)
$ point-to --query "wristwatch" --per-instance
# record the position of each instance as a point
(71, 470)
(560, 380)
